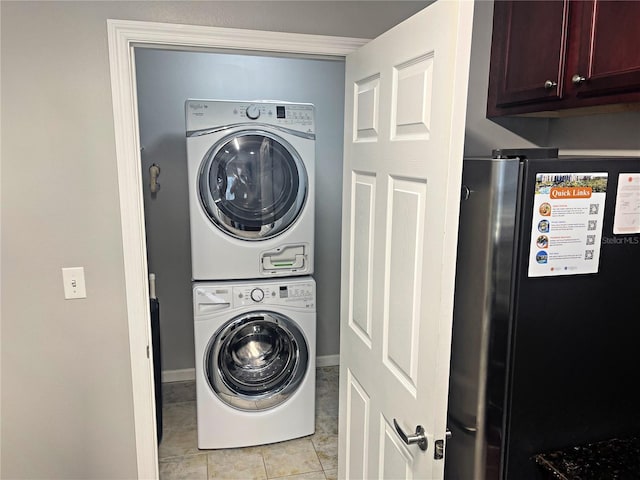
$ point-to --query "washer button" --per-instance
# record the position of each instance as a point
(257, 295)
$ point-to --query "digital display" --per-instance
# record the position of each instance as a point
(280, 113)
(284, 293)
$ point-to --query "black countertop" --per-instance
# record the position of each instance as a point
(614, 459)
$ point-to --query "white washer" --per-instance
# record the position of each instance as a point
(251, 188)
(255, 346)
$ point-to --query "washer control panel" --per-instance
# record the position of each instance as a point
(211, 298)
(299, 294)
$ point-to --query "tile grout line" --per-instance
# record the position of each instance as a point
(318, 456)
(264, 465)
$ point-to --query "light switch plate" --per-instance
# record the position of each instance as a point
(73, 281)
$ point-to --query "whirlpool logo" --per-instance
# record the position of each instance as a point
(621, 240)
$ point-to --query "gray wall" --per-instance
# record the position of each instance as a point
(165, 79)
(67, 409)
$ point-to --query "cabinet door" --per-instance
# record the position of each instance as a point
(528, 52)
(609, 54)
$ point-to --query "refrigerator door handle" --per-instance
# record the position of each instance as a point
(461, 426)
(465, 193)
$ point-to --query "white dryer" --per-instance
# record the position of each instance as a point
(255, 346)
(251, 188)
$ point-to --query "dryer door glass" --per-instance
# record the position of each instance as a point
(253, 185)
(256, 361)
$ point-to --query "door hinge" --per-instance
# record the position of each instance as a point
(148, 354)
(438, 452)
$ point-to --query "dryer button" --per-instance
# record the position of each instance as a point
(253, 112)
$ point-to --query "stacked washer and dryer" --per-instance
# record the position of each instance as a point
(251, 203)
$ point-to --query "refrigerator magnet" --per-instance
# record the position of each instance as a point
(566, 230)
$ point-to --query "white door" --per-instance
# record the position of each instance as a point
(405, 106)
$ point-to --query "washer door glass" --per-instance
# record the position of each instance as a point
(256, 361)
(253, 185)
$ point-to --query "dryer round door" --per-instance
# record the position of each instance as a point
(252, 185)
(256, 361)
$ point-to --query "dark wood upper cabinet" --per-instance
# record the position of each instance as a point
(556, 57)
(609, 42)
(529, 41)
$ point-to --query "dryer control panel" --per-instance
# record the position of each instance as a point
(285, 114)
(208, 114)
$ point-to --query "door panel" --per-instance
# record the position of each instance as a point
(364, 189)
(356, 455)
(403, 279)
(411, 102)
(366, 109)
(402, 174)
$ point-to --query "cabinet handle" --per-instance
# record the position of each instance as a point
(550, 84)
(578, 79)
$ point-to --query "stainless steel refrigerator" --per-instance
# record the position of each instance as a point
(546, 334)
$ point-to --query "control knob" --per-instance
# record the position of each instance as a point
(253, 112)
(257, 295)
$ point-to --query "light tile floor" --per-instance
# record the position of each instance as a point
(309, 458)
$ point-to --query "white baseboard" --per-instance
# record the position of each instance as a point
(328, 360)
(183, 375)
(187, 374)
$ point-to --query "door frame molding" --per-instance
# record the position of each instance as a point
(123, 36)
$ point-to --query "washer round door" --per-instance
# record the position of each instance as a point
(253, 185)
(256, 361)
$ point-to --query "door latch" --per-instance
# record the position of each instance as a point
(438, 449)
